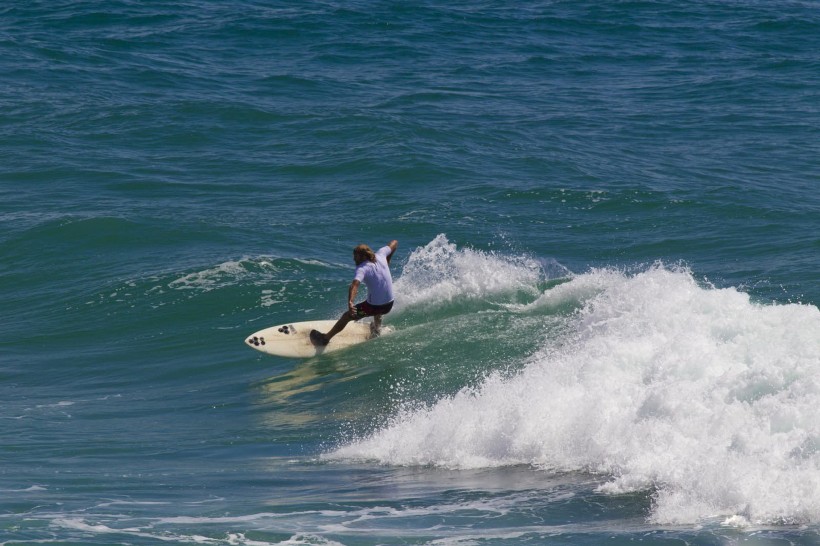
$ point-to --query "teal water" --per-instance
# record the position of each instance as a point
(606, 324)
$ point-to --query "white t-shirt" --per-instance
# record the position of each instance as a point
(376, 276)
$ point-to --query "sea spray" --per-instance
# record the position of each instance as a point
(697, 395)
(441, 272)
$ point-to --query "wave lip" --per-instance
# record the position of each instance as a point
(695, 394)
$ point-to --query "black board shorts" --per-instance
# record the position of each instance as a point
(365, 309)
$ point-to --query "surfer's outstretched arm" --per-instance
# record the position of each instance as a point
(394, 244)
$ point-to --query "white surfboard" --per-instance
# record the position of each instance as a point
(292, 340)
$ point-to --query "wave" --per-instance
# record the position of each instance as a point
(661, 383)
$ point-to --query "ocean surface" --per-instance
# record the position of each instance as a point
(606, 326)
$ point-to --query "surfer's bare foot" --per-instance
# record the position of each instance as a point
(318, 338)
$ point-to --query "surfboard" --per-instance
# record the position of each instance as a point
(292, 340)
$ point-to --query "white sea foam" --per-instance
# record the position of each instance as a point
(694, 393)
(89, 529)
(440, 272)
(32, 489)
(223, 274)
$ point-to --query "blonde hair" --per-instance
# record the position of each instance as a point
(363, 253)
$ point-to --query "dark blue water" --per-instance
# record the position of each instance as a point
(606, 327)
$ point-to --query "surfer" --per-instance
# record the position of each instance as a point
(372, 268)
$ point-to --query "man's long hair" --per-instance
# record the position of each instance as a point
(363, 253)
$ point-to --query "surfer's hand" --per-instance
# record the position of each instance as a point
(352, 310)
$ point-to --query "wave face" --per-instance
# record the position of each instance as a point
(658, 382)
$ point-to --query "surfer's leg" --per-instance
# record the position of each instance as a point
(339, 326)
(318, 338)
(377, 312)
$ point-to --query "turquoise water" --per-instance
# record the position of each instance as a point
(606, 328)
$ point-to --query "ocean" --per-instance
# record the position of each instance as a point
(606, 327)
